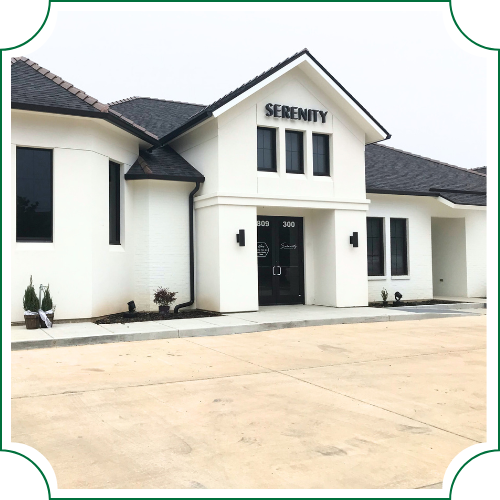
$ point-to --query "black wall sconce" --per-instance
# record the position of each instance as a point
(240, 237)
(353, 240)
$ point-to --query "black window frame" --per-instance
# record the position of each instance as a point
(316, 154)
(114, 203)
(274, 166)
(35, 239)
(289, 134)
(399, 247)
(375, 243)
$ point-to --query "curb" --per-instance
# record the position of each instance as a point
(234, 330)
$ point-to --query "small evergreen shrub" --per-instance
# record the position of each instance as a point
(30, 300)
(164, 297)
(47, 303)
(384, 293)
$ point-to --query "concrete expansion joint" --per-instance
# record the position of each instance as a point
(284, 372)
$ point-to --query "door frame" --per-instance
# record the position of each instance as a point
(275, 298)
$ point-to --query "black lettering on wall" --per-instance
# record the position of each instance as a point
(293, 112)
(285, 111)
(276, 110)
(303, 114)
(269, 109)
(323, 116)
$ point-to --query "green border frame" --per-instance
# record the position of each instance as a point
(2, 449)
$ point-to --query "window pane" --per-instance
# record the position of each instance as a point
(266, 149)
(321, 156)
(399, 248)
(33, 194)
(294, 152)
(375, 245)
(114, 203)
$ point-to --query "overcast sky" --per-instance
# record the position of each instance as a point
(429, 93)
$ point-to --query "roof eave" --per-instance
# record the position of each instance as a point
(163, 177)
(88, 114)
(431, 194)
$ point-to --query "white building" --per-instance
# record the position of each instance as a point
(102, 196)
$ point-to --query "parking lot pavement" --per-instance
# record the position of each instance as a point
(374, 405)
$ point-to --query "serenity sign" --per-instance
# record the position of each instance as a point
(295, 113)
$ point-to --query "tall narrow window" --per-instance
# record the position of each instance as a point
(33, 194)
(399, 248)
(266, 149)
(294, 152)
(375, 243)
(114, 203)
(321, 154)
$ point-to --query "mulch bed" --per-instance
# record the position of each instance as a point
(402, 303)
(154, 316)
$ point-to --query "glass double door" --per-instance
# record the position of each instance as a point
(280, 257)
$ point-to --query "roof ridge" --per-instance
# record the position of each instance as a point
(92, 101)
(429, 159)
(479, 168)
(120, 101)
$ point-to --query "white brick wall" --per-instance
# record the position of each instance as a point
(161, 234)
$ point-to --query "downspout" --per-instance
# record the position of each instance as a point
(191, 248)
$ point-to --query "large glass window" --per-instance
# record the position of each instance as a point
(33, 194)
(114, 203)
(321, 154)
(375, 244)
(399, 248)
(294, 152)
(266, 149)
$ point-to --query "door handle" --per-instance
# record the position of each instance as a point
(279, 272)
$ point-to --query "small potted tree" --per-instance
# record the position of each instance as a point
(384, 293)
(31, 305)
(164, 297)
(48, 307)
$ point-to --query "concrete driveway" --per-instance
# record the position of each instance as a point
(380, 405)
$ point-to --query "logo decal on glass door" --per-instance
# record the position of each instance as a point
(286, 246)
(262, 249)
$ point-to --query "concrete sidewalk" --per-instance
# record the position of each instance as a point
(267, 318)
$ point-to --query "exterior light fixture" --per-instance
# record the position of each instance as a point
(240, 237)
(353, 240)
(132, 313)
(398, 297)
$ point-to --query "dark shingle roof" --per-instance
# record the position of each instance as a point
(156, 115)
(164, 164)
(392, 171)
(37, 89)
(479, 170)
(32, 84)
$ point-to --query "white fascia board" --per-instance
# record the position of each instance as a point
(303, 59)
(245, 200)
(461, 207)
